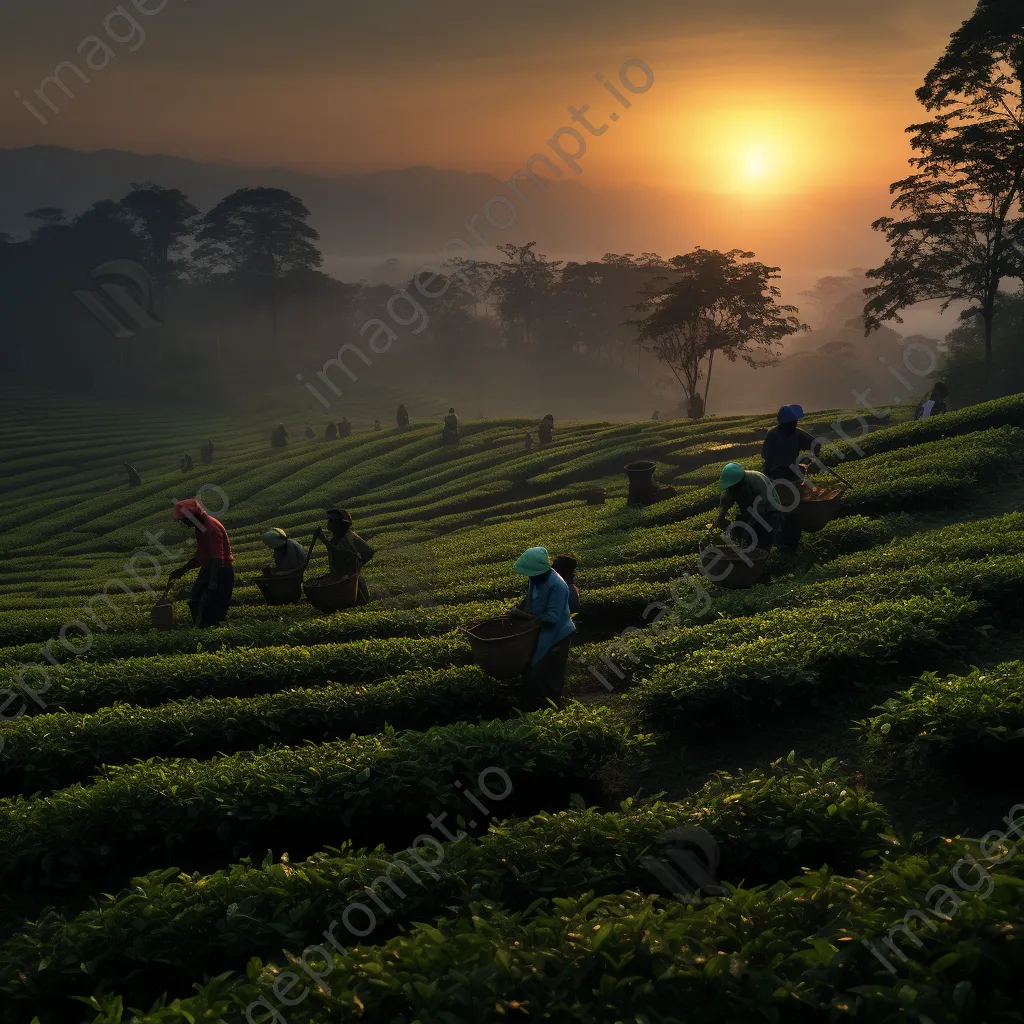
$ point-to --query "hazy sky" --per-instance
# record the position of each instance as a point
(754, 97)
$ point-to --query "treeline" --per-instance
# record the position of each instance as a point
(241, 302)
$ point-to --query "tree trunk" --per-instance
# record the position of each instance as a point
(707, 383)
(988, 315)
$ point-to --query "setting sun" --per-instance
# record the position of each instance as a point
(757, 165)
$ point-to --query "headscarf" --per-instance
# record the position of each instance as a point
(189, 509)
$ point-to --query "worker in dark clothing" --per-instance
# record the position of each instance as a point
(310, 432)
(211, 592)
(695, 407)
(450, 434)
(376, 425)
(547, 425)
(547, 599)
(347, 552)
(206, 452)
(331, 433)
(934, 404)
(344, 427)
(565, 566)
(781, 456)
(187, 465)
(529, 441)
(134, 480)
(289, 555)
(278, 436)
(759, 505)
(403, 418)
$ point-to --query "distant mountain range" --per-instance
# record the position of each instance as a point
(381, 213)
(416, 210)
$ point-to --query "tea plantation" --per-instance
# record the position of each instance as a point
(296, 817)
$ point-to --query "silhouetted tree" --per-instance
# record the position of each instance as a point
(716, 303)
(258, 236)
(522, 289)
(165, 218)
(956, 240)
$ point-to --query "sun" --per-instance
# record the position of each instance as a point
(756, 165)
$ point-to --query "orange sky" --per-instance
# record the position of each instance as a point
(759, 98)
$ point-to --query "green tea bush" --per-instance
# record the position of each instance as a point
(766, 824)
(795, 951)
(376, 789)
(973, 724)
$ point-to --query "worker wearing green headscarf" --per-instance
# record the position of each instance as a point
(758, 501)
(547, 599)
(289, 555)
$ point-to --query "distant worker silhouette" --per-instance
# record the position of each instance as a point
(451, 433)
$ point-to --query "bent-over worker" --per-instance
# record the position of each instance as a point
(206, 452)
(211, 592)
(347, 552)
(187, 465)
(134, 479)
(403, 418)
(758, 501)
(547, 425)
(331, 433)
(289, 554)
(279, 436)
(310, 432)
(344, 427)
(547, 599)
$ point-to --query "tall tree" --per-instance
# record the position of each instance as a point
(258, 236)
(717, 302)
(522, 290)
(165, 218)
(961, 208)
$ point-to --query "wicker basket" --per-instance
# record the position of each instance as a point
(328, 595)
(503, 646)
(281, 588)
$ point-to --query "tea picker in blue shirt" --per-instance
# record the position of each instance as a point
(547, 599)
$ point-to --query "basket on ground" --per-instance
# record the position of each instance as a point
(503, 646)
(733, 570)
(819, 507)
(327, 595)
(162, 614)
(281, 588)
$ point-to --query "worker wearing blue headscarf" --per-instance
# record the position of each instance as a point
(547, 599)
(781, 456)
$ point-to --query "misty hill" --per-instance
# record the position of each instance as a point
(411, 210)
(415, 210)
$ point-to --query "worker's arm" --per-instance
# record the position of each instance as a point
(724, 508)
(364, 549)
(192, 563)
(813, 444)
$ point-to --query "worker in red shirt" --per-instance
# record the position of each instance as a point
(211, 592)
